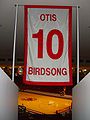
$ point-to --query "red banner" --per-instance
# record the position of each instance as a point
(48, 45)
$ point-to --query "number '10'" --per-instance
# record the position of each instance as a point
(50, 53)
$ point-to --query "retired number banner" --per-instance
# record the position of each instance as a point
(48, 47)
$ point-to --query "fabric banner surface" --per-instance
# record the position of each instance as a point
(48, 45)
